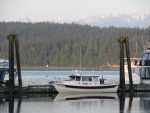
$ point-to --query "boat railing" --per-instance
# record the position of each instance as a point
(59, 80)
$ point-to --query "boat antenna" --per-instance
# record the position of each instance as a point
(80, 58)
(135, 55)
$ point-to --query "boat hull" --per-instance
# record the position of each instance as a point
(6, 77)
(86, 89)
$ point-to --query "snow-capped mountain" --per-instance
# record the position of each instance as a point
(42, 20)
(24, 19)
(61, 20)
(140, 19)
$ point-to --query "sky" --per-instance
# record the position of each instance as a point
(12, 10)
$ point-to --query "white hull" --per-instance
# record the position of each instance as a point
(6, 77)
(101, 89)
(136, 78)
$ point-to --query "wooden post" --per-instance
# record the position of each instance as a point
(18, 63)
(13, 39)
(122, 75)
(129, 64)
(11, 65)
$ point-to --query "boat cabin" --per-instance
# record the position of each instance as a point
(87, 79)
(84, 78)
(4, 63)
(145, 65)
(145, 58)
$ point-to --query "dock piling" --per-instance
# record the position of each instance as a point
(13, 40)
(122, 75)
(18, 64)
(11, 64)
(125, 41)
(129, 64)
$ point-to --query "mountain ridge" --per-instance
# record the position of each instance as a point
(139, 19)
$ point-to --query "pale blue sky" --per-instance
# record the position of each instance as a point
(11, 10)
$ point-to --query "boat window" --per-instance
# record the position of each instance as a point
(5, 64)
(86, 79)
(148, 57)
(145, 56)
(95, 79)
(1, 65)
(78, 78)
(72, 78)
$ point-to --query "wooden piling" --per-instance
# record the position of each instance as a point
(13, 40)
(18, 63)
(11, 64)
(122, 75)
(129, 64)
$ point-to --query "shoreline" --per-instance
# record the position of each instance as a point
(59, 68)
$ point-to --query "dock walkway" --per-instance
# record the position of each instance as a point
(50, 88)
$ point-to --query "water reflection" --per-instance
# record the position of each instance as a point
(122, 98)
(76, 103)
(81, 96)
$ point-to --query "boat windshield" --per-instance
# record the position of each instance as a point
(95, 79)
(89, 79)
(78, 78)
(3, 64)
(146, 56)
(73, 78)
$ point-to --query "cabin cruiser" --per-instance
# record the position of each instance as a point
(84, 84)
(4, 70)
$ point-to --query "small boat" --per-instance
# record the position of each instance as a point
(4, 70)
(84, 84)
(81, 96)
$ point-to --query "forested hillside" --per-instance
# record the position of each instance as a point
(59, 44)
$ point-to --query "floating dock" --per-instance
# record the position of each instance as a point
(50, 88)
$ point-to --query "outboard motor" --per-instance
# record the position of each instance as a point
(145, 62)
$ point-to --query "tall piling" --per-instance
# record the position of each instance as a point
(129, 64)
(11, 65)
(122, 75)
(13, 40)
(18, 63)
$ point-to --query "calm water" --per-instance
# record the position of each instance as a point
(44, 77)
(74, 103)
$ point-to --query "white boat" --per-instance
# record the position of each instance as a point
(4, 65)
(80, 96)
(84, 84)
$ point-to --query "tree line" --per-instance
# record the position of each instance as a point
(57, 44)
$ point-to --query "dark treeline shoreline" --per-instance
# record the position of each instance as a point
(58, 45)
